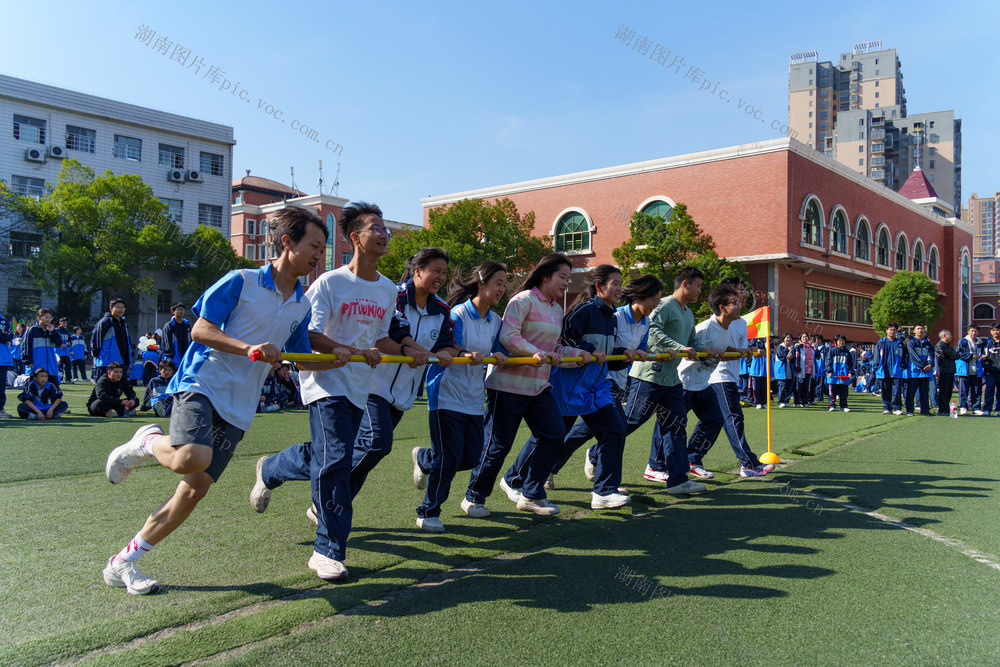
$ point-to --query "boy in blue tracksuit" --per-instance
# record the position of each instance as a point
(157, 399)
(783, 358)
(62, 352)
(6, 360)
(920, 353)
(176, 335)
(890, 369)
(111, 340)
(39, 345)
(991, 372)
(758, 372)
(820, 380)
(969, 370)
(78, 354)
(40, 399)
(841, 367)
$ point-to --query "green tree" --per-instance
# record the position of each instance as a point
(908, 298)
(472, 231)
(205, 256)
(663, 247)
(99, 233)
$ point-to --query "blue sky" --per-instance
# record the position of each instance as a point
(439, 97)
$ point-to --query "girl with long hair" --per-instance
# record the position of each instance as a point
(531, 327)
(456, 394)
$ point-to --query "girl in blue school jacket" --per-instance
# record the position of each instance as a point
(841, 367)
(39, 346)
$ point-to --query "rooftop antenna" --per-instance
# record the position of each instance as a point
(336, 182)
(293, 178)
(321, 177)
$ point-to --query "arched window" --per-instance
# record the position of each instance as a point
(882, 248)
(902, 253)
(983, 311)
(918, 256)
(660, 208)
(966, 301)
(838, 232)
(811, 223)
(862, 241)
(932, 264)
(572, 233)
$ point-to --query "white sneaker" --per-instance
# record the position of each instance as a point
(540, 506)
(513, 494)
(609, 501)
(32, 415)
(963, 411)
(763, 469)
(782, 405)
(419, 476)
(126, 575)
(260, 495)
(311, 514)
(700, 472)
(887, 412)
(897, 412)
(847, 409)
(833, 409)
(978, 413)
(110, 414)
(327, 568)
(654, 475)
(123, 459)
(431, 524)
(588, 467)
(475, 510)
(686, 487)
(4, 415)
(759, 407)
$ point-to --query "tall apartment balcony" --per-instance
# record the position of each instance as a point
(878, 161)
(854, 99)
(878, 134)
(878, 147)
(854, 87)
(855, 75)
(877, 175)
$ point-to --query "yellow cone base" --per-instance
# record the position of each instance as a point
(769, 458)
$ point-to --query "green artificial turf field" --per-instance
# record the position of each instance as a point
(776, 570)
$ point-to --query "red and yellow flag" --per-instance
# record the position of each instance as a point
(759, 323)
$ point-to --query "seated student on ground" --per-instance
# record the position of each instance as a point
(106, 398)
(286, 390)
(157, 399)
(269, 401)
(40, 399)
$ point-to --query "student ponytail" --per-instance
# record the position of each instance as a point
(599, 275)
(461, 290)
(420, 259)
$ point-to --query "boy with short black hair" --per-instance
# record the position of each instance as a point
(106, 398)
(921, 358)
(216, 389)
(40, 399)
(891, 366)
(841, 369)
(6, 360)
(62, 352)
(157, 399)
(176, 335)
(77, 355)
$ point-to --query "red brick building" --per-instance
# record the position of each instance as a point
(256, 200)
(818, 239)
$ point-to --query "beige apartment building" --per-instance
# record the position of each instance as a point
(982, 214)
(854, 110)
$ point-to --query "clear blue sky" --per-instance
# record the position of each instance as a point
(436, 97)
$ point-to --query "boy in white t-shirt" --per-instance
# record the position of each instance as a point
(712, 386)
(352, 313)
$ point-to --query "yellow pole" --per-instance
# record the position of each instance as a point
(769, 457)
(398, 359)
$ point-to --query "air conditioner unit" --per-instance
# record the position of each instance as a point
(56, 151)
(176, 175)
(34, 155)
(195, 176)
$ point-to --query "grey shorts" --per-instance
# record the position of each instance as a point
(195, 422)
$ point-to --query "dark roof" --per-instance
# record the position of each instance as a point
(265, 184)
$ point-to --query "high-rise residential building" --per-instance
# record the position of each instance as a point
(983, 214)
(187, 162)
(854, 110)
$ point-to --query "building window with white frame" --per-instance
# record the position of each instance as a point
(81, 139)
(210, 214)
(175, 209)
(811, 225)
(127, 148)
(29, 129)
(902, 253)
(882, 249)
(211, 163)
(171, 156)
(27, 186)
(573, 233)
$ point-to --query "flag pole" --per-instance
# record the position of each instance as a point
(769, 457)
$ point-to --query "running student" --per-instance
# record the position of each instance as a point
(586, 391)
(531, 327)
(841, 366)
(641, 297)
(246, 313)
(352, 313)
(456, 394)
(656, 387)
(712, 386)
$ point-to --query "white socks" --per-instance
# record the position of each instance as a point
(134, 550)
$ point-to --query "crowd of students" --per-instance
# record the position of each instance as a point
(909, 372)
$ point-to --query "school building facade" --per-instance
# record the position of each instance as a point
(817, 238)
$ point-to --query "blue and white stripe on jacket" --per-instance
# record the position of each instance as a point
(591, 326)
